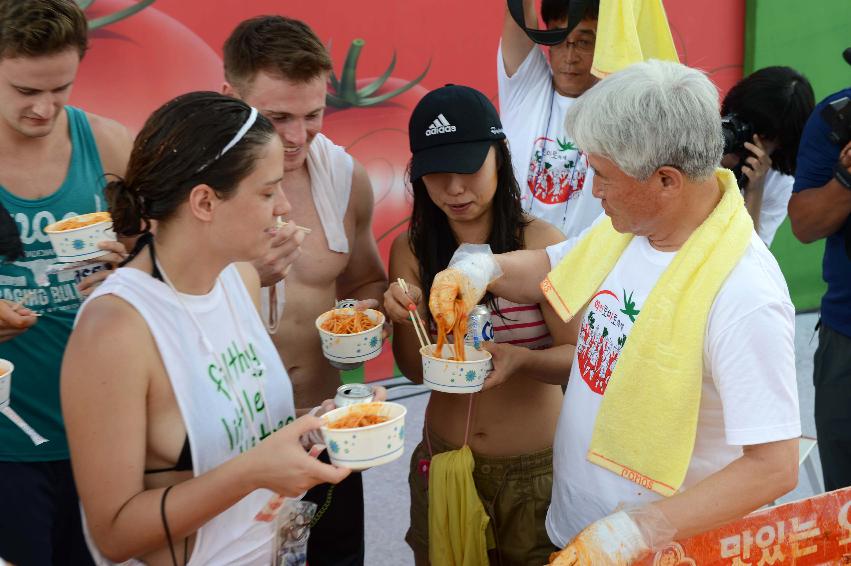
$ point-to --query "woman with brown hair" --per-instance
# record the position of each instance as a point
(177, 404)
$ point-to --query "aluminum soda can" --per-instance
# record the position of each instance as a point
(479, 327)
(352, 394)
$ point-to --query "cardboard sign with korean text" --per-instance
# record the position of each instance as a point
(807, 532)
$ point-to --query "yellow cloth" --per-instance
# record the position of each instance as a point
(457, 522)
(629, 31)
(646, 425)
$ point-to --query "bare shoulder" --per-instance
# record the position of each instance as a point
(115, 334)
(251, 280)
(112, 315)
(114, 142)
(403, 262)
(539, 234)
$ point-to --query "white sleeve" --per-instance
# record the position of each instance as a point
(556, 252)
(752, 362)
(531, 79)
(775, 200)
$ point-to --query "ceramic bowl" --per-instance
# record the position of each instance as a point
(443, 374)
(369, 446)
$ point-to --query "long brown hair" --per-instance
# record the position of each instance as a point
(180, 147)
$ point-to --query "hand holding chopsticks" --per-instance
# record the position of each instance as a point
(413, 313)
(281, 223)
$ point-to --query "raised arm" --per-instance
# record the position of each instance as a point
(105, 411)
(522, 273)
(516, 45)
(364, 277)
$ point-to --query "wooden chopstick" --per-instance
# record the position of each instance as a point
(281, 223)
(419, 327)
(25, 298)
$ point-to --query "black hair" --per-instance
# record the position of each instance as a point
(555, 10)
(11, 247)
(776, 101)
(431, 239)
(180, 146)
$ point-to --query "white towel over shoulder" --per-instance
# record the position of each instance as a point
(330, 169)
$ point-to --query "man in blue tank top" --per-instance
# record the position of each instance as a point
(52, 163)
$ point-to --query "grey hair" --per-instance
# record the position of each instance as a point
(648, 115)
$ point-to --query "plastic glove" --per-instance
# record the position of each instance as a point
(470, 271)
(619, 539)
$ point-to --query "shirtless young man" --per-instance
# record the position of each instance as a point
(280, 67)
(52, 163)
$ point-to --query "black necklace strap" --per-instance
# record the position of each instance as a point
(146, 239)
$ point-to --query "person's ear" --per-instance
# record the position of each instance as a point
(670, 179)
(203, 201)
(229, 90)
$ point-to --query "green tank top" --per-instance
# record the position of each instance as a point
(37, 353)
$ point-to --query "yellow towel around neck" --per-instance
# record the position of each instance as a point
(629, 31)
(457, 522)
(645, 428)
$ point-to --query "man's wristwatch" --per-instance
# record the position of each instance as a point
(842, 175)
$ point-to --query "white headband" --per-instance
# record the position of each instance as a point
(252, 117)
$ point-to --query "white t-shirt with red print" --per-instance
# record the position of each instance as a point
(749, 393)
(554, 176)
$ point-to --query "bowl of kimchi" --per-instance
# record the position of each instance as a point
(450, 373)
(350, 337)
(365, 435)
(77, 238)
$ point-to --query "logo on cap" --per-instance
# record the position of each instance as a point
(440, 126)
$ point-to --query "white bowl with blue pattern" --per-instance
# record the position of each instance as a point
(6, 369)
(78, 244)
(449, 376)
(368, 446)
(351, 348)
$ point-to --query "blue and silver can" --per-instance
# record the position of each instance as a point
(479, 327)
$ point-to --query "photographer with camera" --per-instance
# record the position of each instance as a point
(763, 118)
(820, 207)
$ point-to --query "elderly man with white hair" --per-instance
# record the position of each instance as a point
(681, 408)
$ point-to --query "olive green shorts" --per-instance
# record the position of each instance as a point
(515, 492)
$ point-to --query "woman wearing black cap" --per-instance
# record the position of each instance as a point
(465, 192)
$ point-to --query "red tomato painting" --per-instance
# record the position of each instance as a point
(136, 64)
(369, 117)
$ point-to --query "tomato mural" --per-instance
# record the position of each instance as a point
(370, 118)
(388, 55)
(139, 60)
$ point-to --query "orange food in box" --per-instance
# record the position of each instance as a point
(80, 221)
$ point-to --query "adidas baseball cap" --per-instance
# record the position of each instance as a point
(451, 130)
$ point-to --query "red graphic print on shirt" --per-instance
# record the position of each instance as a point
(602, 336)
(557, 170)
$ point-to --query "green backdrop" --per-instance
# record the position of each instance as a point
(809, 37)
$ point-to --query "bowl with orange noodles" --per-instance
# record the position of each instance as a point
(350, 337)
(451, 373)
(365, 435)
(6, 369)
(77, 238)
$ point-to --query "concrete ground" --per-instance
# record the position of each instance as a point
(386, 487)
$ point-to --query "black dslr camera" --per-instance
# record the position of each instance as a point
(736, 132)
(837, 114)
